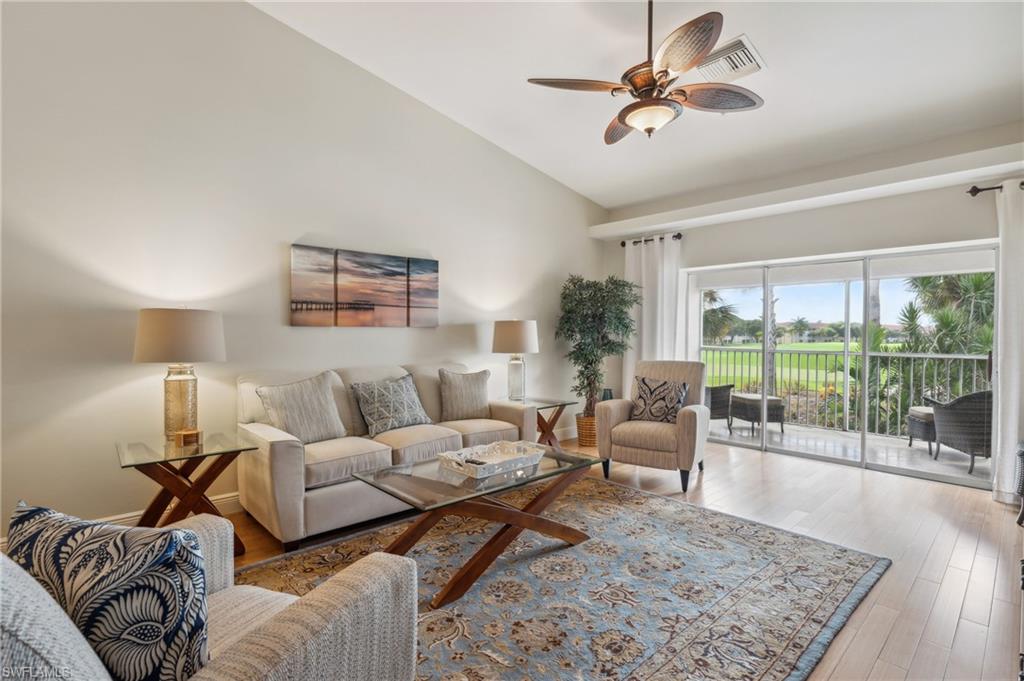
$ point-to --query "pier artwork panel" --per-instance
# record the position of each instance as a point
(338, 287)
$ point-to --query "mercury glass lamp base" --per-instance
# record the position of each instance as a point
(517, 377)
(180, 399)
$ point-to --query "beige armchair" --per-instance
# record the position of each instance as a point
(672, 446)
(357, 624)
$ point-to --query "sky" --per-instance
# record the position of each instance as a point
(820, 302)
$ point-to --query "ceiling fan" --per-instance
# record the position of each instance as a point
(649, 82)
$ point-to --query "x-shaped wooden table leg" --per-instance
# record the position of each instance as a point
(546, 427)
(191, 494)
(514, 521)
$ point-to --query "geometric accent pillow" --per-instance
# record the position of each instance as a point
(464, 396)
(655, 400)
(305, 409)
(138, 595)
(390, 404)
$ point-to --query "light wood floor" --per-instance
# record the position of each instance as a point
(948, 608)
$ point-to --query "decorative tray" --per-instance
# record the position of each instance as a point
(485, 460)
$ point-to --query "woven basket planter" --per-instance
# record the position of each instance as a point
(586, 430)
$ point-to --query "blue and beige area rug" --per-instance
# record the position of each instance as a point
(663, 590)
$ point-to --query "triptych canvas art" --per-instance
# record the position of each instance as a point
(349, 288)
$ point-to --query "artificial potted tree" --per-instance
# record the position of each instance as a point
(596, 322)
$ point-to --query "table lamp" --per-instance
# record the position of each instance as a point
(516, 337)
(179, 338)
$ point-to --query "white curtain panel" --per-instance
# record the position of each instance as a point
(1009, 378)
(654, 265)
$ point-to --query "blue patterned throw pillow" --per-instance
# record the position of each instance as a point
(138, 595)
(655, 400)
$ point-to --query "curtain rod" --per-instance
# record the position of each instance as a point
(675, 237)
(975, 190)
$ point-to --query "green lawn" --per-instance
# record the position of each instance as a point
(792, 371)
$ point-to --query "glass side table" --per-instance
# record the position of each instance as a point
(156, 460)
(546, 426)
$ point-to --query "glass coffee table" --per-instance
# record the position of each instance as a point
(439, 492)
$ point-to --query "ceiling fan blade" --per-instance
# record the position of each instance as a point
(581, 84)
(616, 131)
(718, 97)
(687, 45)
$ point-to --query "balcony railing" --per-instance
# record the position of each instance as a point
(823, 388)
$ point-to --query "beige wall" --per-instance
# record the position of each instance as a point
(168, 154)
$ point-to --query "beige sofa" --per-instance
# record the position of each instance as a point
(296, 491)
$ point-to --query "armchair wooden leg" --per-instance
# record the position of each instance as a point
(290, 546)
(971, 469)
(700, 465)
(606, 465)
(684, 477)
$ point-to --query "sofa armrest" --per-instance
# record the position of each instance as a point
(272, 480)
(610, 413)
(217, 542)
(694, 423)
(359, 624)
(522, 416)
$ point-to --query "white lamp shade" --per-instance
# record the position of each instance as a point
(517, 337)
(177, 336)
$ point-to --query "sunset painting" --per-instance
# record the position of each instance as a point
(423, 286)
(312, 296)
(371, 289)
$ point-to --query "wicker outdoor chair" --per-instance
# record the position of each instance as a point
(965, 424)
(716, 398)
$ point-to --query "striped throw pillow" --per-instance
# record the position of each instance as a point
(305, 409)
(464, 396)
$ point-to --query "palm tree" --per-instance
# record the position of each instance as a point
(799, 327)
(719, 316)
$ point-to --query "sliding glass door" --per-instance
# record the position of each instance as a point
(731, 348)
(882, 361)
(814, 313)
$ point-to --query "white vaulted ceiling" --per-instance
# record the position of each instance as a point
(842, 80)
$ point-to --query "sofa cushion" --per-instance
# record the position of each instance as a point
(36, 634)
(305, 409)
(332, 461)
(138, 595)
(416, 443)
(464, 395)
(646, 435)
(483, 431)
(237, 610)
(387, 405)
(427, 378)
(354, 422)
(657, 400)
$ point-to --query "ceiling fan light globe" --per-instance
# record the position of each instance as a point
(651, 115)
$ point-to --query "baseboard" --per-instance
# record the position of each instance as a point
(567, 433)
(225, 503)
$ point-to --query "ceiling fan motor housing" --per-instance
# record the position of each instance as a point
(641, 80)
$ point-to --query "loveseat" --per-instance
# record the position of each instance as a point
(296, 491)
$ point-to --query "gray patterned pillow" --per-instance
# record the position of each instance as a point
(305, 409)
(655, 400)
(137, 594)
(389, 404)
(464, 396)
